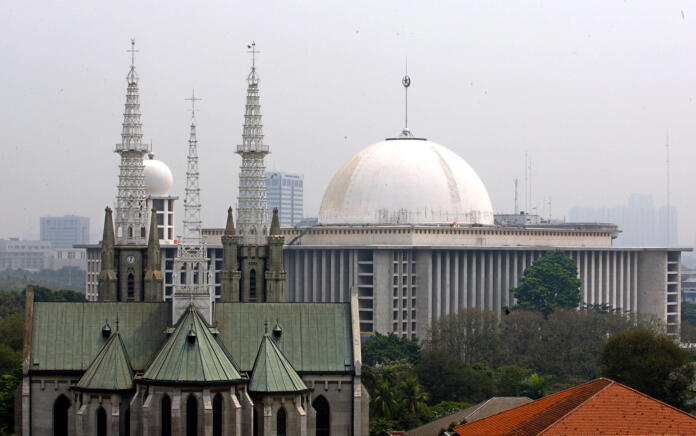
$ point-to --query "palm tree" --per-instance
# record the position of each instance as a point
(384, 403)
(414, 397)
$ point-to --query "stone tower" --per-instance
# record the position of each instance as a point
(230, 274)
(107, 275)
(153, 270)
(275, 273)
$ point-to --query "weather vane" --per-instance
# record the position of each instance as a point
(193, 99)
(253, 51)
(133, 51)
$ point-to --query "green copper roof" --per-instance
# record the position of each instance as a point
(110, 370)
(272, 372)
(316, 337)
(192, 354)
(68, 336)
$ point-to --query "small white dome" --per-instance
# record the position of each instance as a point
(158, 177)
(406, 181)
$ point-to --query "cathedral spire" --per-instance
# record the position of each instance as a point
(192, 203)
(252, 208)
(131, 213)
(229, 227)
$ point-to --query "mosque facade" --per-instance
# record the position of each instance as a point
(244, 362)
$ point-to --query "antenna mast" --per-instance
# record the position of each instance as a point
(406, 82)
(669, 209)
(516, 181)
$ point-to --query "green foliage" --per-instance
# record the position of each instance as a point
(381, 426)
(650, 363)
(470, 334)
(549, 283)
(71, 278)
(688, 327)
(381, 349)
(444, 408)
(8, 385)
(450, 379)
(510, 379)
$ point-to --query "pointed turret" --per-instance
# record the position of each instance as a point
(230, 274)
(153, 271)
(275, 223)
(276, 274)
(110, 370)
(107, 276)
(131, 200)
(273, 372)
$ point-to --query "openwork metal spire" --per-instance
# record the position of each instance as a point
(192, 201)
(131, 213)
(252, 207)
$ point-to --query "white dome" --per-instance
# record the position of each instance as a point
(158, 177)
(406, 181)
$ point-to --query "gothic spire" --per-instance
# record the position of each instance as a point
(153, 245)
(192, 202)
(252, 208)
(131, 213)
(275, 223)
(107, 245)
(229, 228)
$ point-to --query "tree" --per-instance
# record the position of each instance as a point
(470, 334)
(549, 283)
(450, 379)
(651, 363)
(381, 349)
(384, 402)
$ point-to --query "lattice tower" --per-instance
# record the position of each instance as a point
(131, 214)
(252, 206)
(192, 272)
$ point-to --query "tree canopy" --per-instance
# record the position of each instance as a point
(650, 363)
(550, 282)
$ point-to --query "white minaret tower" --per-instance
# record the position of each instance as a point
(192, 284)
(252, 206)
(131, 213)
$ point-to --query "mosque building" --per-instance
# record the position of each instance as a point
(409, 226)
(243, 362)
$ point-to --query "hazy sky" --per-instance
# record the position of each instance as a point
(588, 89)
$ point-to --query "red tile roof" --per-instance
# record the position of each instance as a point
(601, 406)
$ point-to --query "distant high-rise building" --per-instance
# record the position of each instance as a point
(285, 191)
(640, 222)
(65, 231)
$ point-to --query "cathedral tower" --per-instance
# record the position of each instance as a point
(131, 213)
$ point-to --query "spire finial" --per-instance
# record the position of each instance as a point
(193, 99)
(406, 82)
(132, 51)
(265, 327)
(116, 321)
(253, 51)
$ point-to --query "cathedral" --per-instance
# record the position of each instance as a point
(243, 362)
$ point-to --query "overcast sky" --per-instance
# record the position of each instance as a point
(589, 90)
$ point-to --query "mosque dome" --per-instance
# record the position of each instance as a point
(406, 180)
(158, 177)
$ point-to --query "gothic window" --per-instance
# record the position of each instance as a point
(256, 422)
(131, 286)
(191, 416)
(217, 415)
(281, 419)
(101, 422)
(252, 285)
(195, 274)
(130, 232)
(126, 423)
(60, 416)
(166, 416)
(321, 406)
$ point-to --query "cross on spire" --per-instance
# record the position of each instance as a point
(193, 99)
(132, 51)
(253, 52)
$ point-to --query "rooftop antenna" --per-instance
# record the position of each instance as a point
(526, 183)
(193, 99)
(406, 82)
(668, 223)
(516, 181)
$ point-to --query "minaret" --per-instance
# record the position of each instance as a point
(230, 274)
(131, 213)
(192, 284)
(107, 275)
(252, 208)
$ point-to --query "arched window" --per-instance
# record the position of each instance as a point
(60, 416)
(256, 423)
(321, 406)
(191, 416)
(101, 422)
(131, 286)
(252, 285)
(126, 423)
(166, 416)
(217, 415)
(281, 419)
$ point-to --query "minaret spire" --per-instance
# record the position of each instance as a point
(252, 208)
(406, 82)
(131, 213)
